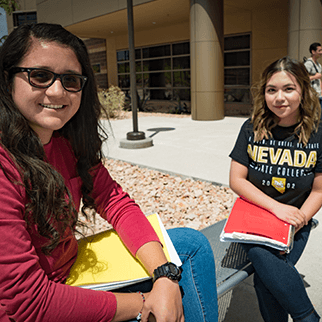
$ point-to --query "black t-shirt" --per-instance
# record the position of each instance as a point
(280, 166)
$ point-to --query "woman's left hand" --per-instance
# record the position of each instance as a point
(164, 302)
(289, 214)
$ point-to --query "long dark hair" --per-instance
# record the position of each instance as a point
(47, 207)
(310, 110)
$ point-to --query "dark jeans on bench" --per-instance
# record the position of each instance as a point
(198, 282)
(279, 287)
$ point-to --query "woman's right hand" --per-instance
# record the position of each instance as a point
(290, 214)
(241, 186)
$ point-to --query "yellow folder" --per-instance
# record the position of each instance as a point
(104, 263)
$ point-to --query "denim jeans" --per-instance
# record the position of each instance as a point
(279, 287)
(198, 282)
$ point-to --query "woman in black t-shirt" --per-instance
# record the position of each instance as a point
(277, 164)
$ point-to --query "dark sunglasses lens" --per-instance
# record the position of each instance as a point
(41, 78)
(73, 83)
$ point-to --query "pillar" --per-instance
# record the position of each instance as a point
(207, 63)
(111, 62)
(305, 27)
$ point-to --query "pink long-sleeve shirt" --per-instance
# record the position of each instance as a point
(32, 284)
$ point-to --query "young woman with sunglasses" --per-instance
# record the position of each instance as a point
(50, 159)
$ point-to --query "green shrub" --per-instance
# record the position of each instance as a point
(112, 100)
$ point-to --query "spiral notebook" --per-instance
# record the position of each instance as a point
(249, 223)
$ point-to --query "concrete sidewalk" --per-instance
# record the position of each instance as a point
(196, 149)
(200, 149)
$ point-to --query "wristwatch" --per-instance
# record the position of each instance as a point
(169, 270)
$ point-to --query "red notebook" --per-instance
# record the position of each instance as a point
(249, 223)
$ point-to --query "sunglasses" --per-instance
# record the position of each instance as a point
(43, 78)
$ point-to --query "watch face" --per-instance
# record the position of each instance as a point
(173, 269)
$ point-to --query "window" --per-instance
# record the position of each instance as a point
(237, 63)
(162, 72)
(20, 18)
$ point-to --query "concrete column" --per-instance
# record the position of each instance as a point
(305, 26)
(207, 63)
(111, 62)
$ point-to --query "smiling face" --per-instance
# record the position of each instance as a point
(47, 109)
(283, 96)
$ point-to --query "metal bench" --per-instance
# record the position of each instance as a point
(232, 264)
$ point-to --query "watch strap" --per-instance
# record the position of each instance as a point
(169, 270)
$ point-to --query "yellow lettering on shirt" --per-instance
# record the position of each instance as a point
(311, 160)
(262, 154)
(252, 153)
(299, 158)
(274, 157)
(286, 158)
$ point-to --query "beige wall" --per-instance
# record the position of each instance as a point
(269, 37)
(238, 22)
(166, 34)
(67, 12)
(27, 4)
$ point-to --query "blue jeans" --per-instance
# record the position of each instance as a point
(198, 282)
(279, 287)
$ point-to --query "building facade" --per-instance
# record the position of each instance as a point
(202, 54)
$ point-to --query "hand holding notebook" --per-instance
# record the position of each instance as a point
(249, 223)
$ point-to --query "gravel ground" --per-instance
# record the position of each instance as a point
(179, 201)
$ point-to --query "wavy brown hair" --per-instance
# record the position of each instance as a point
(49, 205)
(310, 110)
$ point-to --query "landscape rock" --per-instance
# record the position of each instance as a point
(180, 202)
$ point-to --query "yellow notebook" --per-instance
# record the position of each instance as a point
(104, 263)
